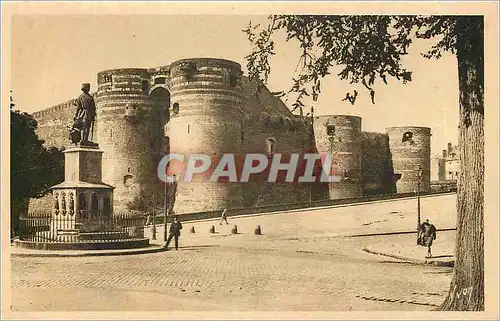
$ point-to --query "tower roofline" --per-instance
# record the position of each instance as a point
(398, 127)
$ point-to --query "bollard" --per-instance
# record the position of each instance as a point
(212, 229)
(234, 230)
(258, 230)
(192, 229)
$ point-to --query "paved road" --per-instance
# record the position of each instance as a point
(278, 271)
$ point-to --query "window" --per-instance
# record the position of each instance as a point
(145, 86)
(270, 146)
(408, 138)
(233, 80)
(167, 144)
(127, 180)
(188, 128)
(330, 130)
(175, 109)
(160, 80)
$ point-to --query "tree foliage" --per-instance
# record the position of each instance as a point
(34, 168)
(369, 50)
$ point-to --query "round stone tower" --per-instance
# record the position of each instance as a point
(130, 132)
(410, 148)
(205, 118)
(340, 136)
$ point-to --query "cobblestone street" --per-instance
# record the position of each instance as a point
(227, 272)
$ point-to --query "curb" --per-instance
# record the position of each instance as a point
(150, 249)
(449, 263)
(401, 232)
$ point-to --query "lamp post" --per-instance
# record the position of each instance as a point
(419, 176)
(166, 204)
(153, 228)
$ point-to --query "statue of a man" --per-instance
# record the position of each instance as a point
(84, 116)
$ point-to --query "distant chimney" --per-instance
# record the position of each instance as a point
(449, 148)
(445, 153)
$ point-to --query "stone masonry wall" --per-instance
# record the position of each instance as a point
(205, 105)
(340, 136)
(377, 172)
(53, 122)
(410, 148)
(130, 132)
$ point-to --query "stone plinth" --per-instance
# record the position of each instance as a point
(82, 199)
(82, 215)
(83, 163)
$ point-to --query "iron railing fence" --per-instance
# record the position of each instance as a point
(44, 227)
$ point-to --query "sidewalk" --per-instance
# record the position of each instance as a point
(404, 248)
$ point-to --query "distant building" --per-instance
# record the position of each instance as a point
(449, 167)
(445, 169)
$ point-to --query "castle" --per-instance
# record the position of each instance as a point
(206, 105)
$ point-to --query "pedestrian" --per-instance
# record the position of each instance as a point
(148, 219)
(224, 217)
(426, 235)
(175, 232)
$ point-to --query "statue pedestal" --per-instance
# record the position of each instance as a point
(82, 203)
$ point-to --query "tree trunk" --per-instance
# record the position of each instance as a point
(467, 285)
(18, 209)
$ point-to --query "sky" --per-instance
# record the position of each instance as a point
(51, 55)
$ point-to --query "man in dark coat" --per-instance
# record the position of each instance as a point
(85, 112)
(426, 235)
(175, 232)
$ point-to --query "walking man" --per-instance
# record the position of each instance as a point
(148, 219)
(175, 232)
(426, 235)
(224, 217)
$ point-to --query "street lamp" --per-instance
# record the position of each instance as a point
(166, 204)
(153, 228)
(166, 210)
(419, 176)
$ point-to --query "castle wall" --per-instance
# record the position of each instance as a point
(205, 118)
(410, 148)
(267, 118)
(437, 169)
(53, 122)
(130, 132)
(205, 105)
(340, 136)
(377, 171)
